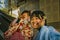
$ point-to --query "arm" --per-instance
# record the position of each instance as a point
(12, 28)
(13, 22)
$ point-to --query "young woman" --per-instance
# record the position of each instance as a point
(20, 30)
(42, 32)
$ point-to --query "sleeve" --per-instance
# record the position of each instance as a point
(13, 22)
(53, 34)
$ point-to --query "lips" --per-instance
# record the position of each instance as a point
(35, 24)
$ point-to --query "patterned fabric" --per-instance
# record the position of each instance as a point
(17, 36)
(23, 29)
(26, 30)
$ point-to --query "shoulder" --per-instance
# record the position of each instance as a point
(48, 29)
(49, 32)
(53, 31)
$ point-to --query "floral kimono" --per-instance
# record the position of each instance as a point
(23, 32)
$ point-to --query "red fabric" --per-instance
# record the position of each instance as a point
(17, 36)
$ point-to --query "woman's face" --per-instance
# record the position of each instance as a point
(25, 16)
(36, 22)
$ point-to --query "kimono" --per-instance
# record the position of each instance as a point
(15, 35)
(47, 33)
(23, 32)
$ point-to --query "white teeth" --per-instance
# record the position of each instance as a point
(35, 24)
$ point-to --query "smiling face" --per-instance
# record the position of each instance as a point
(36, 22)
(37, 19)
(25, 16)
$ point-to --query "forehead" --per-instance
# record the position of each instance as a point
(25, 14)
(34, 17)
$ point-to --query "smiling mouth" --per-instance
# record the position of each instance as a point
(35, 23)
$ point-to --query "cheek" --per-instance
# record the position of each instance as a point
(38, 21)
(26, 16)
(32, 23)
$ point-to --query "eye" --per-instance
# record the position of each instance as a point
(36, 18)
(32, 19)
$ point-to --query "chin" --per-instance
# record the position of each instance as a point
(35, 27)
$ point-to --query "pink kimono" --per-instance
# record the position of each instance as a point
(17, 36)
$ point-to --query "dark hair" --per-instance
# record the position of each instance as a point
(26, 11)
(38, 14)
